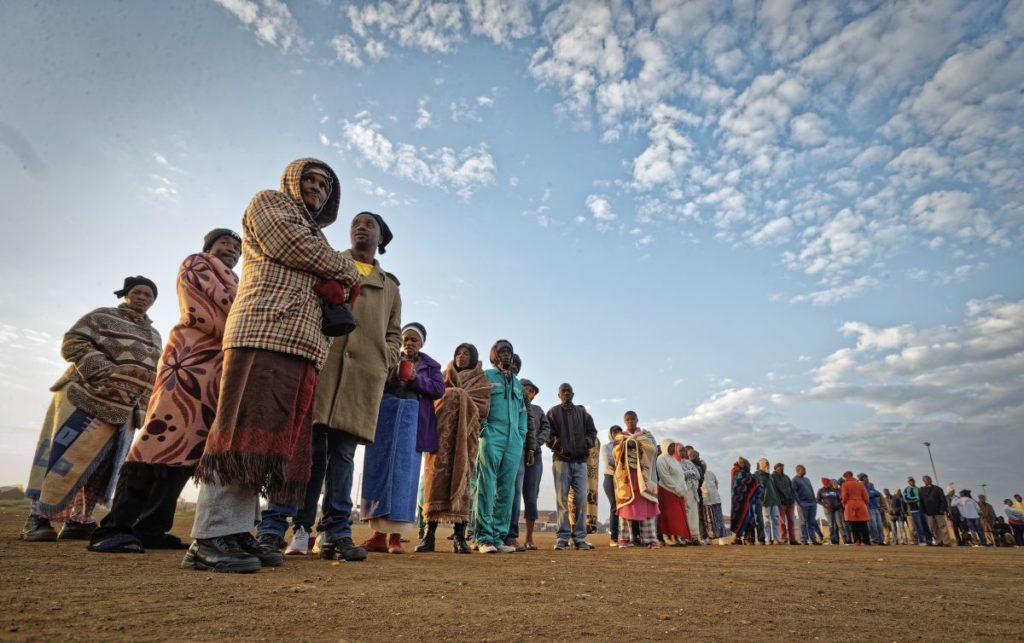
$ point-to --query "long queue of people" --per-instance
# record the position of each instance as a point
(268, 383)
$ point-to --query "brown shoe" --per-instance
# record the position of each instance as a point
(513, 542)
(395, 544)
(377, 542)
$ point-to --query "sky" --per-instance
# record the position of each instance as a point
(783, 229)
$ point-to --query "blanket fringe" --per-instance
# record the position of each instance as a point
(264, 474)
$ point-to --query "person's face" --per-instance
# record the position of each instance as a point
(411, 344)
(365, 233)
(779, 468)
(139, 298)
(227, 249)
(835, 484)
(926, 480)
(505, 357)
(801, 471)
(530, 393)
(630, 421)
(689, 453)
(1017, 497)
(314, 189)
(671, 449)
(565, 394)
(463, 358)
(1008, 503)
(982, 498)
(615, 434)
(910, 481)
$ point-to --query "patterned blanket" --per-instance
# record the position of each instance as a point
(447, 473)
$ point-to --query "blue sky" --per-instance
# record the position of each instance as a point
(771, 228)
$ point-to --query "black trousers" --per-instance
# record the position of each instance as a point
(144, 502)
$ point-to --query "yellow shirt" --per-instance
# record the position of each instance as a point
(363, 268)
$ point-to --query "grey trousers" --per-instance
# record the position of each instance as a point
(224, 510)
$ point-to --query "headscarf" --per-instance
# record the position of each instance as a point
(494, 350)
(474, 356)
(826, 482)
(417, 328)
(131, 282)
(212, 236)
(385, 231)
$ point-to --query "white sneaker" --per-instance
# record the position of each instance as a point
(506, 549)
(299, 546)
(489, 549)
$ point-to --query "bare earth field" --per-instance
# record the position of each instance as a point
(59, 591)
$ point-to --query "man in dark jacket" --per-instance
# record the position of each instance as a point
(831, 502)
(807, 502)
(933, 504)
(572, 436)
(787, 503)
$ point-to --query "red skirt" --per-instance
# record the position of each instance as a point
(672, 519)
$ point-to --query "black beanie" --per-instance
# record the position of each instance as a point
(212, 236)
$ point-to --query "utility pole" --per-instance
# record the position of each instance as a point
(928, 445)
(984, 489)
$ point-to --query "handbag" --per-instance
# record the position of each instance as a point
(338, 319)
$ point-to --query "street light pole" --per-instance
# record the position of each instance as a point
(928, 445)
(984, 489)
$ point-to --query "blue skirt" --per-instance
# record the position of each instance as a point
(391, 465)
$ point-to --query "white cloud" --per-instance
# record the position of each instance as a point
(461, 172)
(809, 129)
(426, 26)
(271, 21)
(600, 209)
(347, 50)
(837, 293)
(422, 115)
(500, 20)
(584, 51)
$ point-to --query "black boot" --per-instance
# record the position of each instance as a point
(427, 540)
(459, 544)
(221, 554)
(265, 549)
(37, 529)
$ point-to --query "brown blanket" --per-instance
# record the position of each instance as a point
(446, 473)
(262, 435)
(636, 452)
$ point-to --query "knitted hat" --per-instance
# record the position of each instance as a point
(131, 282)
(417, 328)
(212, 236)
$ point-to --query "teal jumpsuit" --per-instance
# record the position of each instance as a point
(502, 435)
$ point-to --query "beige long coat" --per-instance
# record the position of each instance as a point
(352, 380)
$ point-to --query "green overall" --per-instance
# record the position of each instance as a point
(502, 435)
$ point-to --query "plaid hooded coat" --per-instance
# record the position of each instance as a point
(285, 253)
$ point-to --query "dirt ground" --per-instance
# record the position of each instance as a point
(59, 591)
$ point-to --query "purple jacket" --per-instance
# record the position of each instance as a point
(429, 386)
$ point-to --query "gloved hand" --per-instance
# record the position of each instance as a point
(332, 291)
(353, 294)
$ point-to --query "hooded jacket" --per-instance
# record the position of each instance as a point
(670, 471)
(285, 254)
(828, 497)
